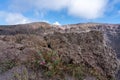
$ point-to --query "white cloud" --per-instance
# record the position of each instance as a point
(88, 9)
(13, 18)
(56, 23)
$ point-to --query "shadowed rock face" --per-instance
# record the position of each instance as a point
(90, 46)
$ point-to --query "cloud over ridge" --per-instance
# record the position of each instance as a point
(13, 18)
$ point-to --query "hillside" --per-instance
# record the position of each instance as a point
(41, 51)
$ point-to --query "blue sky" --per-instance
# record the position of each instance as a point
(59, 11)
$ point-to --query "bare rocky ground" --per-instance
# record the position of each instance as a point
(40, 51)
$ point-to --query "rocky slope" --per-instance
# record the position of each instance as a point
(111, 32)
(40, 51)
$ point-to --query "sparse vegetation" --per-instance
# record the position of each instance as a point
(4, 66)
(22, 76)
(53, 65)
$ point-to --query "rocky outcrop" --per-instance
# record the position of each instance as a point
(110, 31)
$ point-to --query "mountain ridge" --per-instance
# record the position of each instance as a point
(91, 47)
